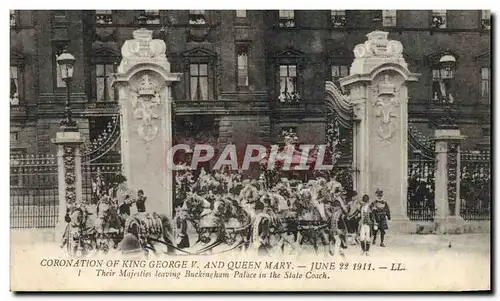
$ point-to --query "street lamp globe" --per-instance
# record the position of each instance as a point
(66, 61)
(447, 66)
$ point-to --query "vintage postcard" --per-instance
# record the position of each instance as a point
(250, 150)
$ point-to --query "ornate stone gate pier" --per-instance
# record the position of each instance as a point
(379, 97)
(143, 81)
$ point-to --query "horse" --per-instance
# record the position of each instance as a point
(107, 224)
(226, 225)
(300, 220)
(151, 230)
(78, 236)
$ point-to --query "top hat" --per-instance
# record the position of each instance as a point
(379, 192)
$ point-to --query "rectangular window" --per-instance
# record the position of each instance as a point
(485, 82)
(242, 57)
(287, 18)
(14, 137)
(338, 18)
(197, 16)
(486, 132)
(289, 135)
(103, 17)
(152, 16)
(436, 84)
(389, 18)
(198, 76)
(288, 83)
(13, 18)
(339, 71)
(104, 91)
(59, 82)
(485, 19)
(438, 19)
(241, 13)
(14, 85)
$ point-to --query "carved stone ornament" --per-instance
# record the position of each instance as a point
(378, 45)
(144, 101)
(142, 48)
(359, 111)
(385, 102)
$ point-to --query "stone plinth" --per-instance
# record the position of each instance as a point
(447, 181)
(69, 173)
(143, 81)
(379, 96)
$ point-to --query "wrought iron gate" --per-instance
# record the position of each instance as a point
(475, 185)
(101, 161)
(421, 178)
(33, 191)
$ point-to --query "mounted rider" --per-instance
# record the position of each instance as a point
(249, 195)
(140, 203)
(262, 226)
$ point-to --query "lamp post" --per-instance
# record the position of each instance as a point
(65, 63)
(68, 140)
(447, 64)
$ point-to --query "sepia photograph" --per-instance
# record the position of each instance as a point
(250, 150)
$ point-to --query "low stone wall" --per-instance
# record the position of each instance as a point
(477, 227)
(470, 227)
(32, 235)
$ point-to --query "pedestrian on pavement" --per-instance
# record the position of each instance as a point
(365, 225)
(381, 214)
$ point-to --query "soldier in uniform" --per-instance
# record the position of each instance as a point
(140, 202)
(261, 227)
(352, 219)
(365, 225)
(337, 229)
(381, 214)
(340, 199)
(182, 240)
